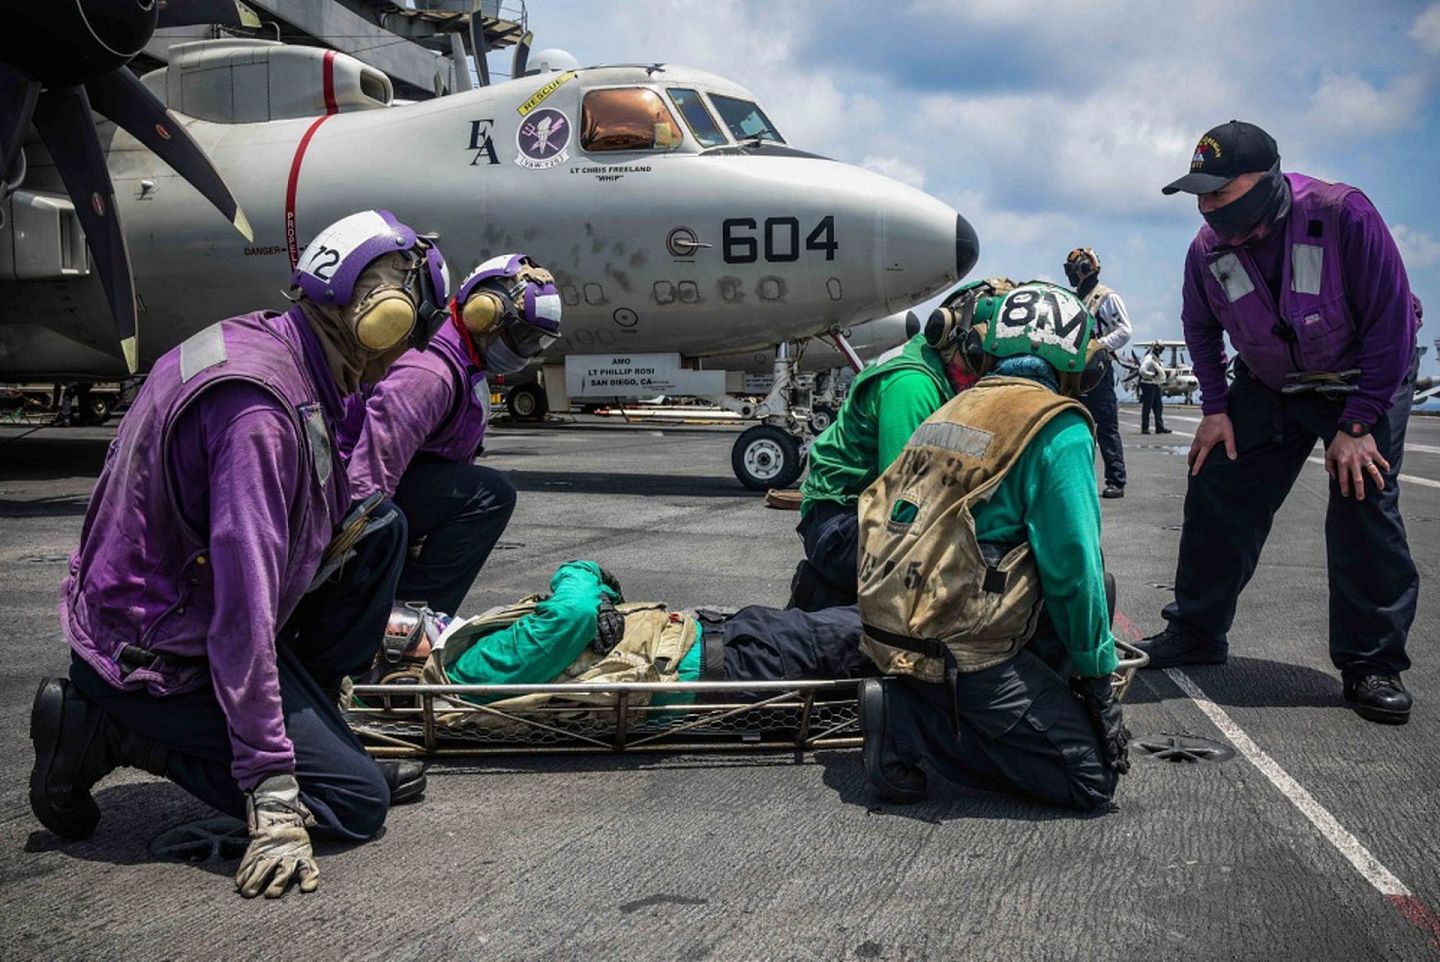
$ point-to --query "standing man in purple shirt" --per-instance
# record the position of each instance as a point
(211, 608)
(415, 435)
(1305, 278)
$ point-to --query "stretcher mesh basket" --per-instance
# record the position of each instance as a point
(437, 720)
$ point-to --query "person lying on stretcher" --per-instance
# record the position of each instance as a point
(583, 631)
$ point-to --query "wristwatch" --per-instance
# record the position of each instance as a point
(1356, 429)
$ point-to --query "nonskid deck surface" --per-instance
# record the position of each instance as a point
(1318, 837)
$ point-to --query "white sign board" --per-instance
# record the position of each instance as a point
(637, 376)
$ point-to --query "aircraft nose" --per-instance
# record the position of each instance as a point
(928, 246)
(967, 246)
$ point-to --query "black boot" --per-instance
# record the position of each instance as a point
(1172, 648)
(1379, 698)
(76, 745)
(895, 780)
(406, 779)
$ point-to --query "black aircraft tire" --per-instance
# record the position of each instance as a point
(527, 403)
(766, 457)
(96, 409)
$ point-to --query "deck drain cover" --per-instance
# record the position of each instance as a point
(216, 839)
(1183, 749)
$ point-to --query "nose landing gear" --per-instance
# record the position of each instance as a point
(772, 454)
(766, 457)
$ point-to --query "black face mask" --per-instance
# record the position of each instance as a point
(1265, 203)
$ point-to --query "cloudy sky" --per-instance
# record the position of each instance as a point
(1052, 125)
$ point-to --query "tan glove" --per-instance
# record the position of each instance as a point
(279, 851)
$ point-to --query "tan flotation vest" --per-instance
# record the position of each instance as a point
(926, 586)
(651, 649)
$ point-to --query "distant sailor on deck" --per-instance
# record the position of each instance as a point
(1306, 280)
(1112, 330)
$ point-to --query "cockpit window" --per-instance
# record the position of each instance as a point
(745, 119)
(627, 118)
(702, 125)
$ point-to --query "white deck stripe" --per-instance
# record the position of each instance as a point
(1407, 478)
(1336, 834)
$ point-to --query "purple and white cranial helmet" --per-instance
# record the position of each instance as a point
(329, 266)
(528, 319)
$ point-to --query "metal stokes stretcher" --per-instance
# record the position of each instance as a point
(424, 720)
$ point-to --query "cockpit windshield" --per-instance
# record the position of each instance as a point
(627, 118)
(707, 132)
(745, 119)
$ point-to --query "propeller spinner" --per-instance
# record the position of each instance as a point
(55, 85)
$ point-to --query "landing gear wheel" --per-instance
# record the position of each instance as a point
(821, 417)
(527, 403)
(95, 409)
(766, 457)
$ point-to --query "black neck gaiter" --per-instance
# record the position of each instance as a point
(1266, 203)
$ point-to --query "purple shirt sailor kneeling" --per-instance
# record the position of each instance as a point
(414, 435)
(209, 619)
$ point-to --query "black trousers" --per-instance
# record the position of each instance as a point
(1105, 409)
(1015, 727)
(460, 510)
(1230, 505)
(785, 644)
(1151, 401)
(827, 577)
(334, 632)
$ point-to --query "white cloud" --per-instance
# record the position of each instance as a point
(1350, 104)
(896, 169)
(1426, 30)
(1419, 249)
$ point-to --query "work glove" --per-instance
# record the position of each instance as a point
(1098, 697)
(279, 851)
(609, 628)
(613, 583)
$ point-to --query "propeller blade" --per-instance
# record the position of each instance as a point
(228, 13)
(121, 96)
(63, 118)
(18, 94)
(522, 55)
(479, 47)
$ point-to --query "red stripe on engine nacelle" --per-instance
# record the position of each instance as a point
(292, 240)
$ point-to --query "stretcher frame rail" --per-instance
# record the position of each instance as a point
(794, 716)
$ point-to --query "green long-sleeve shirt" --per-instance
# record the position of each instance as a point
(538, 647)
(1049, 499)
(535, 649)
(884, 407)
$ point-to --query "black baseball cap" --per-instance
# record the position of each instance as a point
(1224, 153)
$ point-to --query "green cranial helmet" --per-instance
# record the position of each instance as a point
(1037, 318)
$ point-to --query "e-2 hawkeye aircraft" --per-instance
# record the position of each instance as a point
(1179, 376)
(677, 220)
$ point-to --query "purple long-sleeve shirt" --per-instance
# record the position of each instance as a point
(1376, 287)
(401, 414)
(245, 444)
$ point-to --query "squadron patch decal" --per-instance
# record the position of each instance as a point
(542, 140)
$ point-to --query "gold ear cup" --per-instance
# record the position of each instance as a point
(482, 313)
(384, 320)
